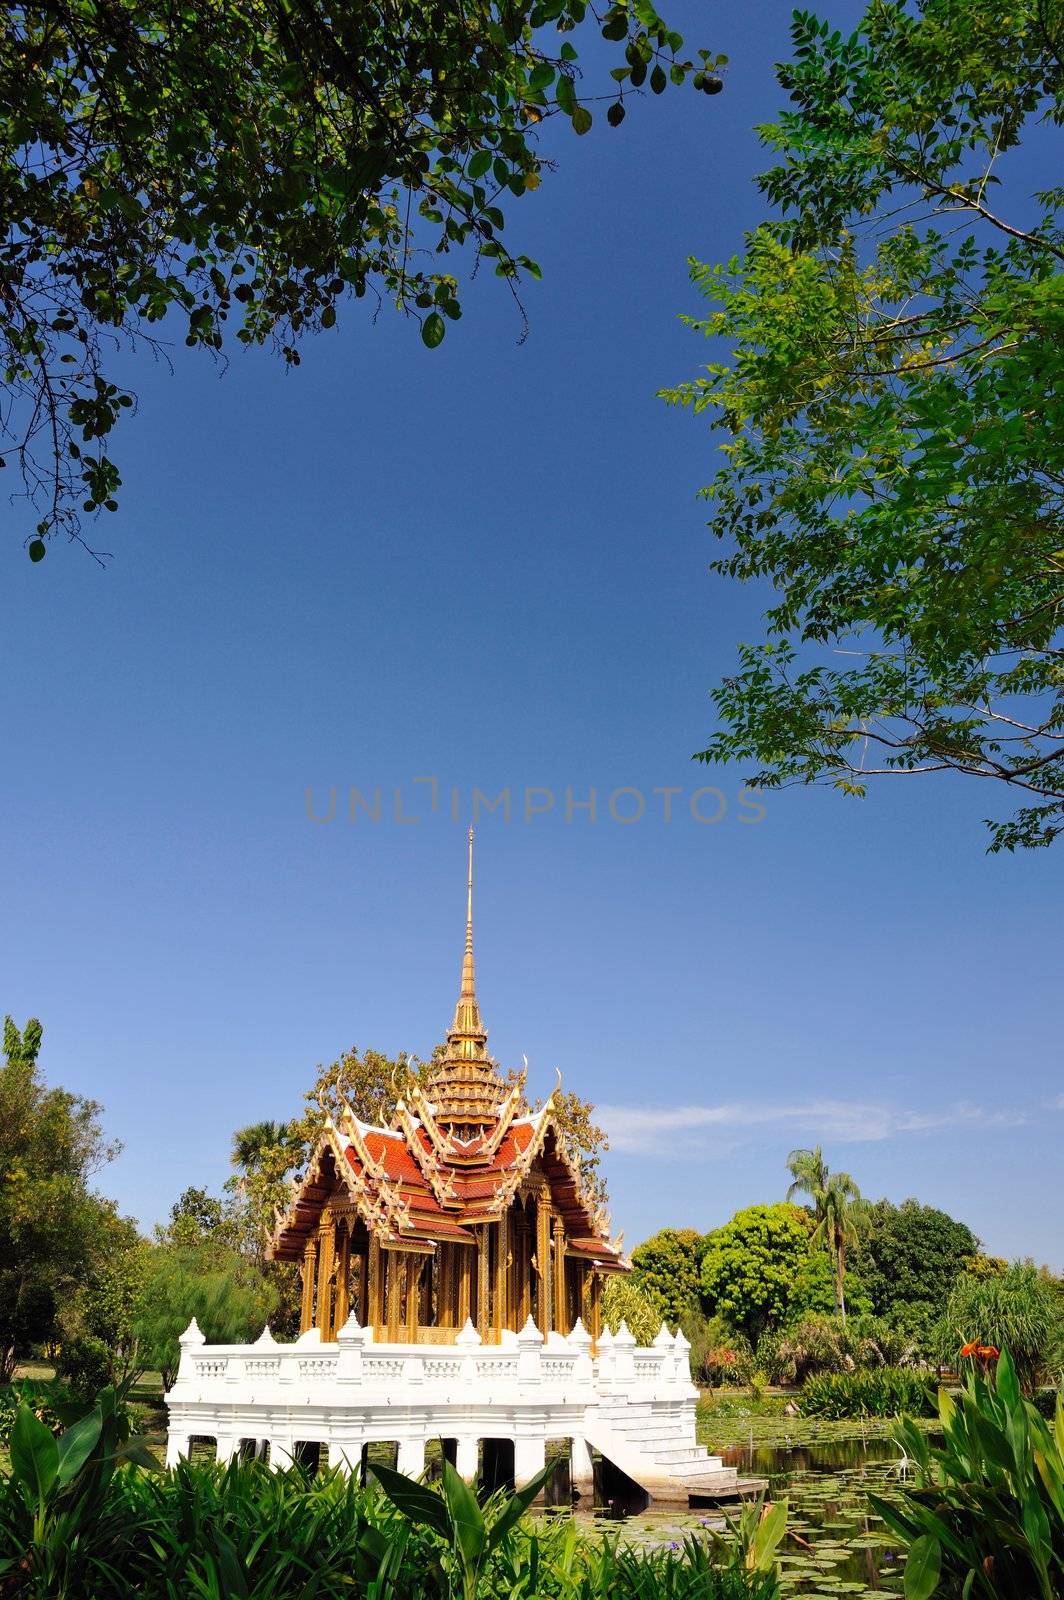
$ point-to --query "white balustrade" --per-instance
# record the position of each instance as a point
(356, 1389)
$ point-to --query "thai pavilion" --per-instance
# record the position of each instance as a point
(464, 1209)
(452, 1266)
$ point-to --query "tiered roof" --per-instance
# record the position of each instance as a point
(455, 1156)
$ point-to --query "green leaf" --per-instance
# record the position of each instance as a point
(433, 329)
(581, 119)
(414, 1500)
(77, 1444)
(658, 79)
(565, 95)
(479, 164)
(37, 549)
(615, 114)
(770, 1531)
(34, 1453)
(922, 1567)
(517, 1505)
(1007, 1384)
(466, 1516)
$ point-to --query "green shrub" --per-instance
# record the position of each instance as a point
(985, 1517)
(624, 1301)
(882, 1392)
(46, 1398)
(1019, 1308)
(812, 1343)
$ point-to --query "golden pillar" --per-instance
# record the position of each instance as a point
(326, 1273)
(395, 1263)
(543, 1225)
(310, 1261)
(413, 1292)
(375, 1284)
(444, 1274)
(561, 1310)
(343, 1274)
(522, 1266)
(483, 1280)
(501, 1317)
(465, 1284)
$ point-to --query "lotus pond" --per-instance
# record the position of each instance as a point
(836, 1545)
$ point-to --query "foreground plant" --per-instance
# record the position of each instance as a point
(54, 1522)
(986, 1516)
(471, 1537)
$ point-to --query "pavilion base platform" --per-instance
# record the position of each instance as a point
(507, 1401)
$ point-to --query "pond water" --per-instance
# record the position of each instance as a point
(836, 1544)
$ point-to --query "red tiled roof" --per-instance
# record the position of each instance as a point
(404, 1194)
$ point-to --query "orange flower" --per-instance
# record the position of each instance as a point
(989, 1352)
(971, 1349)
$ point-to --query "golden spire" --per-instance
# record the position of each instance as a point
(465, 1088)
(469, 986)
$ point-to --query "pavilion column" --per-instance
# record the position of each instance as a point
(502, 1277)
(343, 1274)
(326, 1269)
(395, 1263)
(483, 1281)
(413, 1295)
(543, 1229)
(465, 1285)
(375, 1284)
(306, 1310)
(561, 1310)
(522, 1267)
(444, 1278)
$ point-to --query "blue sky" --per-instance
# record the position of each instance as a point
(487, 566)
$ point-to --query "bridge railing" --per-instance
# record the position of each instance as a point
(361, 1365)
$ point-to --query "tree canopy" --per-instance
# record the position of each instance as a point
(912, 1255)
(55, 1231)
(667, 1268)
(750, 1266)
(212, 166)
(893, 413)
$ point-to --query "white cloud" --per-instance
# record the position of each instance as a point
(683, 1129)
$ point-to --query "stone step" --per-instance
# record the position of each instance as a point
(695, 1454)
(726, 1481)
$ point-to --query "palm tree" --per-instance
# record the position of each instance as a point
(251, 1144)
(834, 1196)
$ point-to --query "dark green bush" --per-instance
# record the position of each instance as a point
(46, 1397)
(881, 1392)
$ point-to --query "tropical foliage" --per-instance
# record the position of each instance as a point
(667, 1268)
(834, 1196)
(77, 1525)
(1021, 1309)
(56, 1233)
(750, 1264)
(910, 1257)
(203, 168)
(986, 1514)
(887, 371)
(880, 1392)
